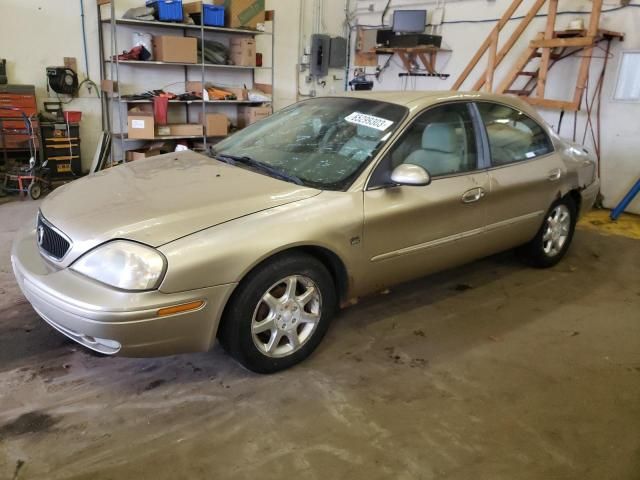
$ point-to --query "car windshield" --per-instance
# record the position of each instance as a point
(323, 142)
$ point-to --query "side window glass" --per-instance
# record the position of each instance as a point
(441, 140)
(513, 136)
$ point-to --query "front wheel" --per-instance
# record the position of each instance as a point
(279, 313)
(554, 237)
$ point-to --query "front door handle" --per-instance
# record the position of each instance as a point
(554, 174)
(473, 195)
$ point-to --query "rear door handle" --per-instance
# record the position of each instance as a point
(473, 195)
(554, 174)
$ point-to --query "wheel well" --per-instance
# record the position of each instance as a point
(576, 197)
(332, 262)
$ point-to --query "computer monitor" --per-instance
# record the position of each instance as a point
(409, 21)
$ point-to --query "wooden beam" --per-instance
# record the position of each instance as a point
(546, 53)
(563, 42)
(432, 59)
(491, 63)
(485, 45)
(610, 33)
(406, 61)
(518, 67)
(583, 72)
(427, 64)
(524, 23)
(549, 103)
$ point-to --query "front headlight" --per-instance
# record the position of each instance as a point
(123, 264)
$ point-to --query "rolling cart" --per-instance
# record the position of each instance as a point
(25, 180)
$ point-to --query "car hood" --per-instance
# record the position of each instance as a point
(160, 199)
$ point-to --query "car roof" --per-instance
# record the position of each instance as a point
(417, 100)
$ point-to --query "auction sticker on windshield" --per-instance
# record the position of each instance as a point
(369, 121)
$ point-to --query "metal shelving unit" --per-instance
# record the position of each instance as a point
(113, 117)
(183, 26)
(124, 137)
(152, 63)
(213, 102)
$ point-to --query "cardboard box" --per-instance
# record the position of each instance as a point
(193, 7)
(242, 51)
(215, 124)
(194, 86)
(141, 154)
(249, 115)
(240, 93)
(109, 86)
(186, 129)
(242, 13)
(264, 87)
(163, 131)
(141, 125)
(167, 48)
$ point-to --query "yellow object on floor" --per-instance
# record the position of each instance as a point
(627, 225)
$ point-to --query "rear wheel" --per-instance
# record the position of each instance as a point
(554, 237)
(279, 313)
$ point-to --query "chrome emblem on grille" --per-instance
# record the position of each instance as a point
(40, 234)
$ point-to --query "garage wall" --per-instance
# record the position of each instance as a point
(35, 34)
(56, 32)
(620, 128)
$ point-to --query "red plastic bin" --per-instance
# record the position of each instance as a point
(71, 116)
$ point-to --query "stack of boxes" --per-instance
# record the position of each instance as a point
(242, 51)
(173, 49)
(184, 50)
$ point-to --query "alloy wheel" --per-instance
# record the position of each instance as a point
(286, 316)
(557, 228)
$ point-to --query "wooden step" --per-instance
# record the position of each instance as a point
(553, 56)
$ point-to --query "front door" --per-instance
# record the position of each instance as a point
(410, 231)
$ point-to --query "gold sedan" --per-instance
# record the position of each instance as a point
(258, 243)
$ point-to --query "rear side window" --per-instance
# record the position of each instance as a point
(513, 136)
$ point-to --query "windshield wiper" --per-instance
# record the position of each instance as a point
(268, 169)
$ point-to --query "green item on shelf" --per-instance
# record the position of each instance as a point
(214, 52)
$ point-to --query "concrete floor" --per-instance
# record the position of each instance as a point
(490, 371)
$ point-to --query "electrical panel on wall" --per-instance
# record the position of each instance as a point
(338, 52)
(320, 54)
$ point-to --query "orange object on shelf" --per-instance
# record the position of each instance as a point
(219, 94)
(72, 116)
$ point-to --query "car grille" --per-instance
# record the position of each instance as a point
(50, 241)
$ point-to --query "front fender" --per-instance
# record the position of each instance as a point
(226, 253)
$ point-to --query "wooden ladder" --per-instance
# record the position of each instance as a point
(549, 46)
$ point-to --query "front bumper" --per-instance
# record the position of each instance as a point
(113, 321)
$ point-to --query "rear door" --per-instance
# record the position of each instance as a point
(410, 231)
(525, 174)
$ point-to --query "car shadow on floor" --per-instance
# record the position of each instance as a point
(438, 316)
(444, 314)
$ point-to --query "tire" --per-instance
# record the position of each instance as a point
(267, 334)
(552, 241)
(34, 190)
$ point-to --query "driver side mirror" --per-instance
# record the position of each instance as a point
(411, 175)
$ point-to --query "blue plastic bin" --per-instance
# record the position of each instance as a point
(213, 15)
(167, 10)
